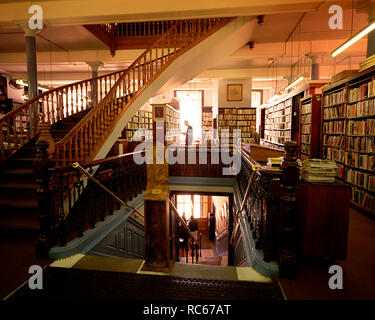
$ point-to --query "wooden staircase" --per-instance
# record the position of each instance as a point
(18, 196)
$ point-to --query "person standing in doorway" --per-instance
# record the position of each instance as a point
(188, 133)
(254, 136)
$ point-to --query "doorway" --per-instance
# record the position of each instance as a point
(213, 215)
(191, 102)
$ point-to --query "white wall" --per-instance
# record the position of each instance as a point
(246, 93)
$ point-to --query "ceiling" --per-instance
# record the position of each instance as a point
(279, 42)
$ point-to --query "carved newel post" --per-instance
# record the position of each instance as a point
(45, 147)
(41, 174)
(288, 212)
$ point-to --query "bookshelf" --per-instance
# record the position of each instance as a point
(207, 122)
(283, 116)
(310, 111)
(349, 135)
(141, 121)
(171, 118)
(236, 118)
(278, 125)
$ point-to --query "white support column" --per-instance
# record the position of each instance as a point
(94, 65)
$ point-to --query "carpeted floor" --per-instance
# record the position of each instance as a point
(17, 251)
(312, 278)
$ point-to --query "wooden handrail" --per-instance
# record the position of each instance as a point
(83, 141)
(76, 165)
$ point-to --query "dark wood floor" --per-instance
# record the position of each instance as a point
(312, 278)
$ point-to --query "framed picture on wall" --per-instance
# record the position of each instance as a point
(234, 92)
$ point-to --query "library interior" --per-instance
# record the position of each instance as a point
(187, 150)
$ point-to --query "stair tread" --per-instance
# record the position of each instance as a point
(18, 185)
(19, 171)
(20, 203)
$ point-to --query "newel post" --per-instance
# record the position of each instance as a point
(288, 212)
(45, 147)
(41, 174)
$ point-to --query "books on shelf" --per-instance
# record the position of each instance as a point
(237, 118)
(318, 170)
(349, 135)
(367, 63)
(335, 98)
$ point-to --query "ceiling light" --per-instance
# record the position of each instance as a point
(298, 80)
(353, 39)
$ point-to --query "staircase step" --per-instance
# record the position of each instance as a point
(20, 203)
(20, 220)
(21, 163)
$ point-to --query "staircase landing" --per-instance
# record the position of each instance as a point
(94, 277)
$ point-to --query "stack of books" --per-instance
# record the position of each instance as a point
(318, 170)
(367, 63)
(274, 162)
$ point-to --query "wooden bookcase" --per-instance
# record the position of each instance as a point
(282, 117)
(236, 118)
(349, 135)
(141, 121)
(310, 111)
(207, 122)
(171, 118)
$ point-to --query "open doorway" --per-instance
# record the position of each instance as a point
(213, 218)
(191, 102)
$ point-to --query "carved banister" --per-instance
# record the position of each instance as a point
(132, 86)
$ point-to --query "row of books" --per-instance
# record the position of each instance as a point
(305, 148)
(280, 119)
(360, 179)
(306, 108)
(306, 118)
(280, 106)
(237, 111)
(363, 198)
(334, 112)
(360, 144)
(335, 154)
(276, 139)
(334, 127)
(172, 113)
(281, 113)
(360, 161)
(361, 109)
(278, 133)
(334, 141)
(135, 126)
(278, 126)
(306, 128)
(305, 138)
(361, 127)
(236, 117)
(224, 123)
(335, 98)
(364, 91)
